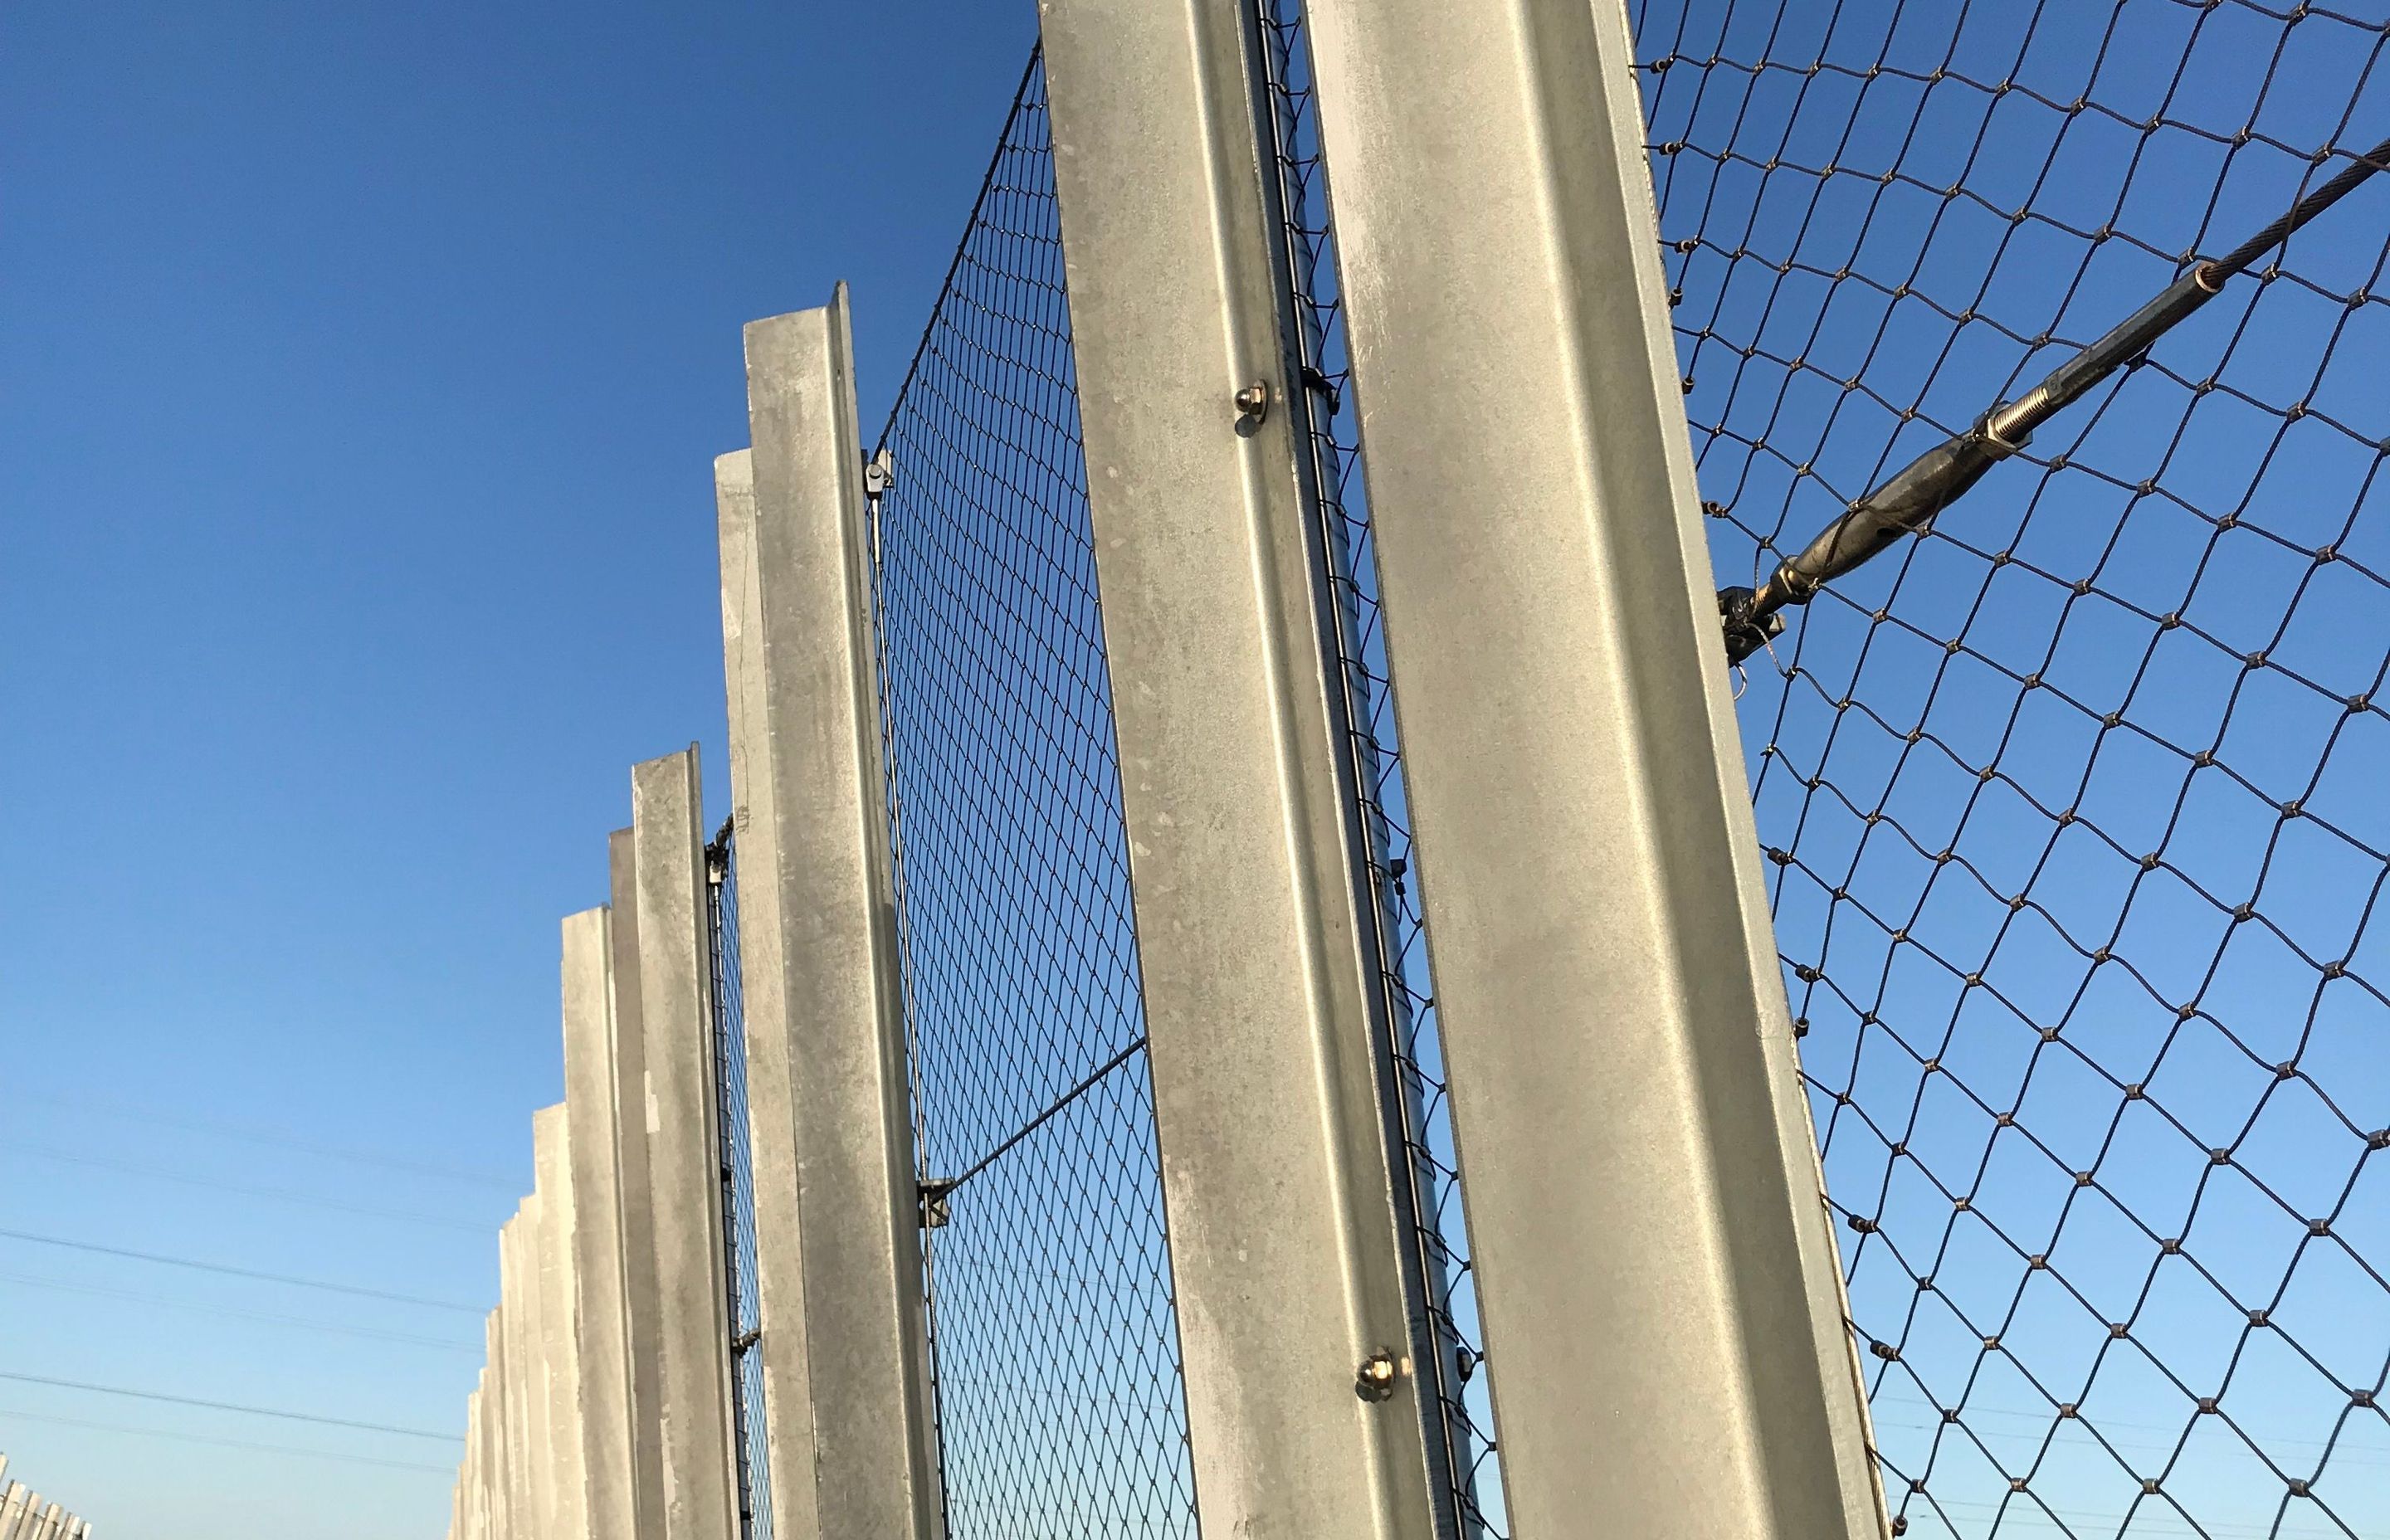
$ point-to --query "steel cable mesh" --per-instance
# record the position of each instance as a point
(1453, 1371)
(738, 1190)
(1061, 1409)
(2074, 803)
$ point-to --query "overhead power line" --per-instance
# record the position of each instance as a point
(280, 1194)
(230, 1406)
(281, 1139)
(224, 1443)
(64, 1286)
(241, 1271)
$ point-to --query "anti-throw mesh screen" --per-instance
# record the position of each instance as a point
(1061, 1410)
(2076, 804)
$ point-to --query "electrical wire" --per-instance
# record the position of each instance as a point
(152, 1117)
(279, 1194)
(164, 1398)
(7, 1412)
(285, 1278)
(300, 1321)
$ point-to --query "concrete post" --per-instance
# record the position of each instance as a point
(460, 1522)
(492, 1482)
(491, 1493)
(52, 1520)
(643, 1308)
(521, 1505)
(12, 1510)
(559, 1326)
(788, 1409)
(594, 1135)
(841, 1244)
(539, 1371)
(684, 1160)
(530, 1373)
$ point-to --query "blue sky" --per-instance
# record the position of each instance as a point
(362, 378)
(363, 368)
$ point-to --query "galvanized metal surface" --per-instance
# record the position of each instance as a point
(1654, 1265)
(1282, 1232)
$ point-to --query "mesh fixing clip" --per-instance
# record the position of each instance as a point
(1379, 1373)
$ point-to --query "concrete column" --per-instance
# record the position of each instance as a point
(13, 1503)
(609, 1497)
(684, 1160)
(460, 1519)
(791, 1451)
(521, 1508)
(533, 1337)
(559, 1328)
(489, 1485)
(28, 1516)
(825, 1023)
(52, 1520)
(643, 1310)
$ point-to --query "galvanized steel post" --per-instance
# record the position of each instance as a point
(836, 1202)
(1654, 1261)
(1251, 910)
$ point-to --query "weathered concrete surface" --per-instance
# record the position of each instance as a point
(684, 1152)
(564, 1479)
(609, 1495)
(643, 1302)
(826, 1056)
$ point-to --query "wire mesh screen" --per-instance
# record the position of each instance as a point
(2074, 803)
(1060, 1403)
(1450, 1351)
(747, 1427)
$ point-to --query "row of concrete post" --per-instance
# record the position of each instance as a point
(603, 1405)
(24, 1515)
(1653, 1265)
(604, 1409)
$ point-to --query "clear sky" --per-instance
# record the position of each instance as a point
(361, 370)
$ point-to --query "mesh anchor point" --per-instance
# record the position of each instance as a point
(1378, 1375)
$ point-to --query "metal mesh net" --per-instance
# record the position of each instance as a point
(747, 1425)
(2074, 803)
(1059, 1404)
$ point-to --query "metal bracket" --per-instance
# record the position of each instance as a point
(937, 1204)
